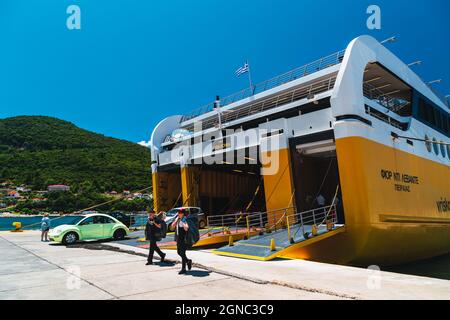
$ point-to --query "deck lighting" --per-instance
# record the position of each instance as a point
(392, 92)
(382, 87)
(374, 79)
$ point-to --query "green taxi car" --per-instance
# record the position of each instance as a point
(89, 227)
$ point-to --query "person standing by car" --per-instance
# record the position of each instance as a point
(153, 233)
(45, 227)
(181, 231)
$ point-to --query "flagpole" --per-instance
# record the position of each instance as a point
(250, 76)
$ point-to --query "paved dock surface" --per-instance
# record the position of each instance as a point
(30, 269)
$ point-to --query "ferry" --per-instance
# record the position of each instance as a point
(359, 128)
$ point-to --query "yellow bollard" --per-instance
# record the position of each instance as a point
(230, 241)
(330, 225)
(314, 230)
(272, 245)
(18, 226)
(248, 228)
(288, 228)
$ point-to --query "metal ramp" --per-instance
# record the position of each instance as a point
(291, 231)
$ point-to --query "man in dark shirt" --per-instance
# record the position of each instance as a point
(181, 230)
(153, 234)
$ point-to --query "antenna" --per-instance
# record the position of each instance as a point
(435, 81)
(415, 63)
(391, 39)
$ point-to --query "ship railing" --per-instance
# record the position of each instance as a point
(385, 118)
(235, 223)
(308, 91)
(258, 223)
(297, 73)
(137, 221)
(392, 104)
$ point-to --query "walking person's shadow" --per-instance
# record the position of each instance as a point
(198, 273)
(193, 273)
(166, 264)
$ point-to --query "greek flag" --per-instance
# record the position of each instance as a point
(242, 70)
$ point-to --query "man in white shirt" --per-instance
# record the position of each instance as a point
(320, 200)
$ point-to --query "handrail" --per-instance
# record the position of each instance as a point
(259, 221)
(297, 73)
(268, 103)
(390, 103)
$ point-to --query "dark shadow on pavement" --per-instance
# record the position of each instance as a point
(198, 273)
(166, 264)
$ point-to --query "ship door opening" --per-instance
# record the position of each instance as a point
(228, 188)
(316, 173)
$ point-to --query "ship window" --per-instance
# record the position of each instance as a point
(445, 122)
(427, 143)
(448, 151)
(423, 110)
(443, 149)
(435, 146)
(430, 116)
(433, 116)
(439, 119)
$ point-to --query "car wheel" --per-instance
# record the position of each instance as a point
(119, 234)
(202, 224)
(70, 238)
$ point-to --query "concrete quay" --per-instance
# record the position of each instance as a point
(31, 269)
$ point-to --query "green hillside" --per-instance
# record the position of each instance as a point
(38, 151)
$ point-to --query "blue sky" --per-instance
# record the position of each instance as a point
(134, 62)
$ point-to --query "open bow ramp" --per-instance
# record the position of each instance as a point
(275, 244)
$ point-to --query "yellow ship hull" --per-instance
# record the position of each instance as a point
(393, 207)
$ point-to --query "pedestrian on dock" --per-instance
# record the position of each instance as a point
(153, 233)
(45, 227)
(181, 227)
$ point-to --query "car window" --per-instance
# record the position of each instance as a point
(194, 210)
(72, 220)
(98, 220)
(106, 220)
(171, 212)
(87, 221)
(102, 220)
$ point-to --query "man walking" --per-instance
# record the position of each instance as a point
(153, 233)
(181, 233)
